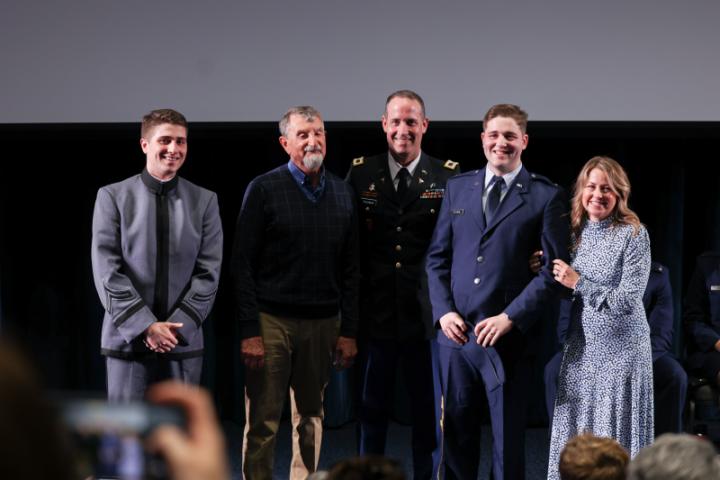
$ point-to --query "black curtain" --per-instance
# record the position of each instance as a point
(51, 173)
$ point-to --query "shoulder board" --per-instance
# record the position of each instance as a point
(470, 173)
(358, 161)
(450, 165)
(540, 178)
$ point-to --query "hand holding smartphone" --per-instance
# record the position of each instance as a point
(109, 438)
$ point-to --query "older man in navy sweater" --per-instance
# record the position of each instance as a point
(295, 262)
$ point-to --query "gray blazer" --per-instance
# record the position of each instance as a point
(156, 255)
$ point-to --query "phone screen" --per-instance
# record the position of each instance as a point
(109, 438)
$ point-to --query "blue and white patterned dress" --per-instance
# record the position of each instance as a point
(605, 385)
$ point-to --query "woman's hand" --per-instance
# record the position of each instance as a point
(565, 274)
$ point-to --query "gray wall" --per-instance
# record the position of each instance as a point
(111, 61)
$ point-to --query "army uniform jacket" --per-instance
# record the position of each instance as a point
(394, 237)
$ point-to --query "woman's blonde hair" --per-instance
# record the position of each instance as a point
(620, 186)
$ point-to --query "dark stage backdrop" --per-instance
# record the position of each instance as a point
(51, 173)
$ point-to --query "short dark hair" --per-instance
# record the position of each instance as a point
(160, 116)
(307, 112)
(587, 457)
(507, 110)
(409, 94)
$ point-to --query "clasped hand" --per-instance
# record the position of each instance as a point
(488, 331)
(161, 336)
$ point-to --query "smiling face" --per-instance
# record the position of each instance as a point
(404, 124)
(503, 143)
(598, 197)
(304, 142)
(165, 150)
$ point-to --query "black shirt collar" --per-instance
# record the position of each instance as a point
(156, 186)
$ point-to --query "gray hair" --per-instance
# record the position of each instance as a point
(305, 111)
(676, 457)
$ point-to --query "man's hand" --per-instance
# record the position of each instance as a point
(199, 452)
(161, 337)
(345, 351)
(491, 329)
(536, 261)
(253, 352)
(454, 327)
(565, 274)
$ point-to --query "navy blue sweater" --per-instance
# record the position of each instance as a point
(294, 258)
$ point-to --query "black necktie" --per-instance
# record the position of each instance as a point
(493, 199)
(403, 177)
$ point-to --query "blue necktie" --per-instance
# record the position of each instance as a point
(493, 199)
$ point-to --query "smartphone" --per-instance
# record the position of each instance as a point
(109, 438)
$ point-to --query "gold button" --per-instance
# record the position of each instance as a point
(367, 209)
(398, 265)
(398, 248)
(432, 210)
(398, 229)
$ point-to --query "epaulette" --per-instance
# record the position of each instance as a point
(535, 176)
(450, 165)
(358, 161)
(463, 175)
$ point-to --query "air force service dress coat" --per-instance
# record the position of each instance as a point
(480, 270)
(701, 315)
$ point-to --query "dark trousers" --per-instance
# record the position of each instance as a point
(669, 385)
(467, 374)
(127, 380)
(379, 361)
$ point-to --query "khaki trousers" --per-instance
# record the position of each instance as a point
(298, 355)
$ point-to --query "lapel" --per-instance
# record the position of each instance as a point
(383, 181)
(420, 180)
(476, 194)
(513, 198)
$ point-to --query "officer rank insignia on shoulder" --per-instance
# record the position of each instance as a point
(358, 161)
(450, 165)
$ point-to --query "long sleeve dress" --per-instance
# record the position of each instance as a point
(605, 385)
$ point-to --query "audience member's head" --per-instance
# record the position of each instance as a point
(587, 457)
(676, 456)
(33, 442)
(369, 467)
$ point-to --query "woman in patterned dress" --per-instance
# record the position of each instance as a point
(605, 385)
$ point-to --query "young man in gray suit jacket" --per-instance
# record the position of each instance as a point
(156, 255)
